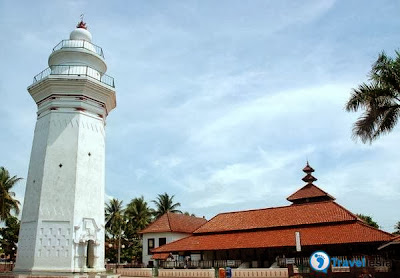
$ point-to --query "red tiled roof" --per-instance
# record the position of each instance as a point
(174, 222)
(353, 232)
(293, 215)
(396, 239)
(309, 191)
(160, 256)
(158, 226)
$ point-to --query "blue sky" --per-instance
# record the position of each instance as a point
(218, 102)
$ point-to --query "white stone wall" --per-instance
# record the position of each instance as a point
(64, 206)
(170, 237)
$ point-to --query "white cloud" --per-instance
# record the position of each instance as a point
(241, 182)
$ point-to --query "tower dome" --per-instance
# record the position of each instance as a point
(81, 33)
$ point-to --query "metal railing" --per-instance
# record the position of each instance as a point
(79, 44)
(75, 70)
(200, 264)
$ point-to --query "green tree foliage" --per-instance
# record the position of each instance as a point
(397, 228)
(368, 220)
(115, 220)
(379, 99)
(8, 204)
(189, 214)
(165, 203)
(125, 224)
(138, 214)
(114, 217)
(9, 236)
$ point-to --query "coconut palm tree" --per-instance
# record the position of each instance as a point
(138, 214)
(165, 203)
(114, 213)
(380, 100)
(8, 203)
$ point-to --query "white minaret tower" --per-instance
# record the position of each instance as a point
(62, 225)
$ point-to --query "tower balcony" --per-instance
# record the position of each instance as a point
(75, 70)
(79, 44)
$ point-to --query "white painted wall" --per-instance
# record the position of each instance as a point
(170, 237)
(62, 204)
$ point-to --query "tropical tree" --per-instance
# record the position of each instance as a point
(115, 227)
(380, 100)
(397, 228)
(165, 203)
(368, 220)
(138, 214)
(114, 216)
(8, 203)
(9, 236)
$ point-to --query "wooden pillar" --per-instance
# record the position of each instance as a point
(290, 270)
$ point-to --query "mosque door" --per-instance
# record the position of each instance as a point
(90, 254)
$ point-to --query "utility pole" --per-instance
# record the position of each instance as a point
(119, 246)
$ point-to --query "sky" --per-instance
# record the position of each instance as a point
(219, 103)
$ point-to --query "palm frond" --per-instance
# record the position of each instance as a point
(8, 203)
(379, 99)
(165, 203)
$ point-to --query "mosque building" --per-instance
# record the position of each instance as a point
(264, 237)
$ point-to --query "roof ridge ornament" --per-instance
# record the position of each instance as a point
(309, 178)
(308, 169)
(309, 192)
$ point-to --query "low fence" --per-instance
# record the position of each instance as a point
(210, 273)
(241, 273)
(6, 266)
(135, 272)
(260, 272)
(203, 273)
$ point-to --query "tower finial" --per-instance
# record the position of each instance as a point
(81, 24)
(308, 169)
(309, 178)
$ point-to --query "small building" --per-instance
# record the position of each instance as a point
(166, 229)
(265, 237)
